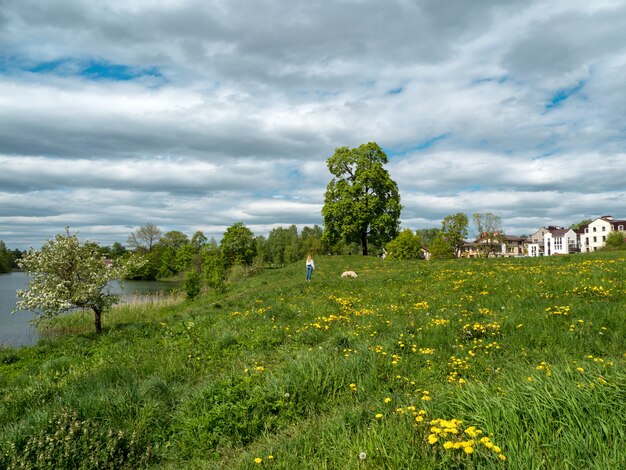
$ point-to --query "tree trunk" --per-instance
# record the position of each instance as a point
(98, 320)
(364, 242)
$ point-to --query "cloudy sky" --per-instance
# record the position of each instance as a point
(196, 114)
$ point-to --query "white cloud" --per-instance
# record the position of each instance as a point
(515, 108)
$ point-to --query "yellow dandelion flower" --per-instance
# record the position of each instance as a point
(258, 460)
(419, 419)
(387, 400)
(468, 450)
(270, 457)
(448, 445)
(432, 439)
(502, 457)
(379, 415)
(580, 369)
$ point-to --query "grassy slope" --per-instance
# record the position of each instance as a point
(315, 374)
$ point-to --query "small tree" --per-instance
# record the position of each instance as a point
(454, 231)
(489, 234)
(407, 245)
(67, 274)
(615, 241)
(144, 238)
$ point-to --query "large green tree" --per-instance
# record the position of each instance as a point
(67, 274)
(238, 245)
(362, 202)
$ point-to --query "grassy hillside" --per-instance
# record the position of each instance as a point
(453, 364)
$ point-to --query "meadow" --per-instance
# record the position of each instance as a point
(497, 363)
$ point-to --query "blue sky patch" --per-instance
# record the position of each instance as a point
(94, 70)
(423, 145)
(396, 91)
(564, 94)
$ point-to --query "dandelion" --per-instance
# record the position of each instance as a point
(387, 400)
(379, 415)
(468, 449)
(502, 457)
(270, 457)
(580, 369)
(432, 439)
(258, 460)
(362, 456)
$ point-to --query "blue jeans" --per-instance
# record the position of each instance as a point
(309, 271)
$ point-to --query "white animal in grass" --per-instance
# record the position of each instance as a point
(351, 274)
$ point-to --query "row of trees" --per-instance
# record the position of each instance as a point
(8, 258)
(448, 241)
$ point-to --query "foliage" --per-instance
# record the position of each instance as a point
(427, 235)
(407, 245)
(615, 241)
(238, 245)
(67, 274)
(144, 238)
(68, 442)
(191, 284)
(440, 248)
(213, 267)
(362, 202)
(454, 231)
(6, 258)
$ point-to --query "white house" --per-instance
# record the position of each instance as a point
(559, 241)
(594, 235)
(535, 243)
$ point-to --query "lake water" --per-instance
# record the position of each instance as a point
(16, 330)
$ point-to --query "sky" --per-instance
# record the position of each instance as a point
(197, 114)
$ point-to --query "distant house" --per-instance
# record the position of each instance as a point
(560, 241)
(593, 236)
(535, 243)
(494, 245)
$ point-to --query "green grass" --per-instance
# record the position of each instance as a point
(317, 375)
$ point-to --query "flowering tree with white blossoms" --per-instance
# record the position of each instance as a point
(67, 274)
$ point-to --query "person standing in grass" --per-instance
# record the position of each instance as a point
(310, 266)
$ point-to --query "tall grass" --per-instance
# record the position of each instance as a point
(453, 364)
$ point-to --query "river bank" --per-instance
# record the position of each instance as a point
(16, 329)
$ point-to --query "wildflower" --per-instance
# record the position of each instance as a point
(270, 457)
(468, 449)
(448, 445)
(362, 456)
(502, 457)
(387, 400)
(432, 439)
(258, 460)
(580, 369)
(379, 415)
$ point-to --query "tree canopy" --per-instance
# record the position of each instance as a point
(362, 202)
(407, 245)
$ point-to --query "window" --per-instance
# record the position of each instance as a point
(603, 228)
(594, 229)
(558, 243)
(603, 238)
(586, 229)
(594, 239)
(621, 227)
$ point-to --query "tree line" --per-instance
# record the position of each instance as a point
(8, 258)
